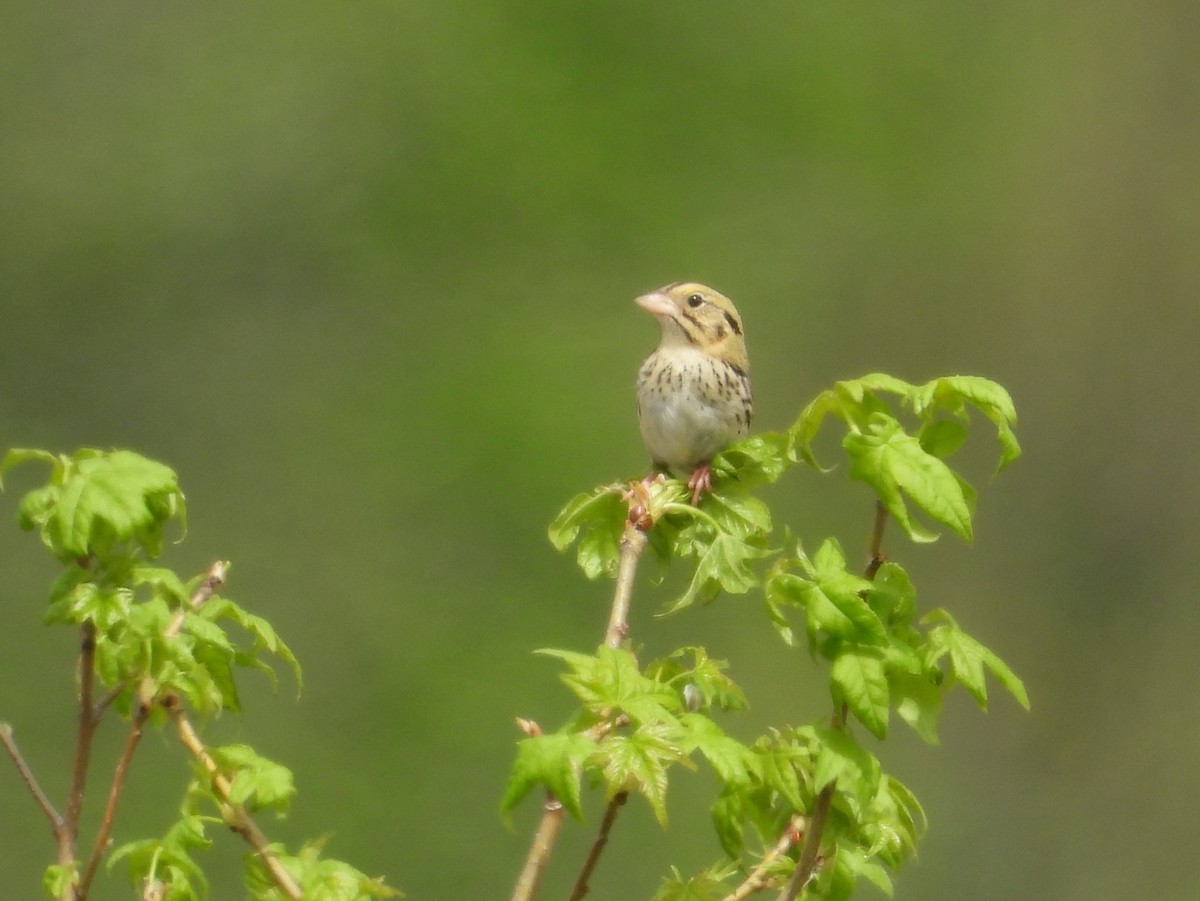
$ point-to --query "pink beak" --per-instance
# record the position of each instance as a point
(657, 304)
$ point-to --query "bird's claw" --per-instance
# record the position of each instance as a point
(700, 482)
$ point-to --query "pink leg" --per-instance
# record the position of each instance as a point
(700, 482)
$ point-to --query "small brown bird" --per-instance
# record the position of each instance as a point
(694, 390)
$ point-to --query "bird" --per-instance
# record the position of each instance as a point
(693, 391)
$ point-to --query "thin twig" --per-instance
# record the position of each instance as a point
(114, 795)
(235, 814)
(205, 590)
(633, 542)
(85, 731)
(875, 557)
(810, 853)
(806, 867)
(539, 851)
(758, 878)
(585, 873)
(10, 745)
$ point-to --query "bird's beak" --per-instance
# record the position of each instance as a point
(657, 304)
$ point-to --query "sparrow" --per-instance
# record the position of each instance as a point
(693, 392)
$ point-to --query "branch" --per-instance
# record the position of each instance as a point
(758, 878)
(610, 815)
(10, 745)
(85, 731)
(633, 542)
(234, 814)
(875, 557)
(114, 795)
(806, 867)
(205, 590)
(539, 852)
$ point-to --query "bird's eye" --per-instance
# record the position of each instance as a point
(694, 301)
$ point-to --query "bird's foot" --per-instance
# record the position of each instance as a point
(700, 482)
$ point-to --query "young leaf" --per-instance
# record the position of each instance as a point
(841, 760)
(894, 464)
(319, 878)
(732, 761)
(952, 392)
(552, 761)
(757, 460)
(600, 516)
(706, 675)
(832, 597)
(638, 762)
(609, 683)
(858, 679)
(708, 885)
(118, 495)
(257, 782)
(918, 702)
(969, 658)
(724, 565)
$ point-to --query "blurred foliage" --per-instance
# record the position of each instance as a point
(363, 274)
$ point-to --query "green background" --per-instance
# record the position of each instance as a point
(362, 273)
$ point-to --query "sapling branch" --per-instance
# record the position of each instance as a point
(538, 858)
(236, 816)
(114, 794)
(806, 866)
(85, 731)
(205, 590)
(589, 865)
(633, 542)
(758, 878)
(10, 745)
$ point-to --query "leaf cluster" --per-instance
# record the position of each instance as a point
(154, 647)
(879, 652)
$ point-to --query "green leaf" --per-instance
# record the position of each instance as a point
(552, 761)
(786, 767)
(256, 781)
(757, 460)
(705, 676)
(942, 437)
(319, 878)
(18, 455)
(918, 702)
(892, 595)
(265, 637)
(741, 515)
(609, 683)
(831, 597)
(600, 516)
(859, 680)
(848, 765)
(894, 464)
(708, 885)
(723, 565)
(854, 862)
(969, 659)
(732, 761)
(58, 878)
(853, 401)
(118, 495)
(953, 392)
(638, 762)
